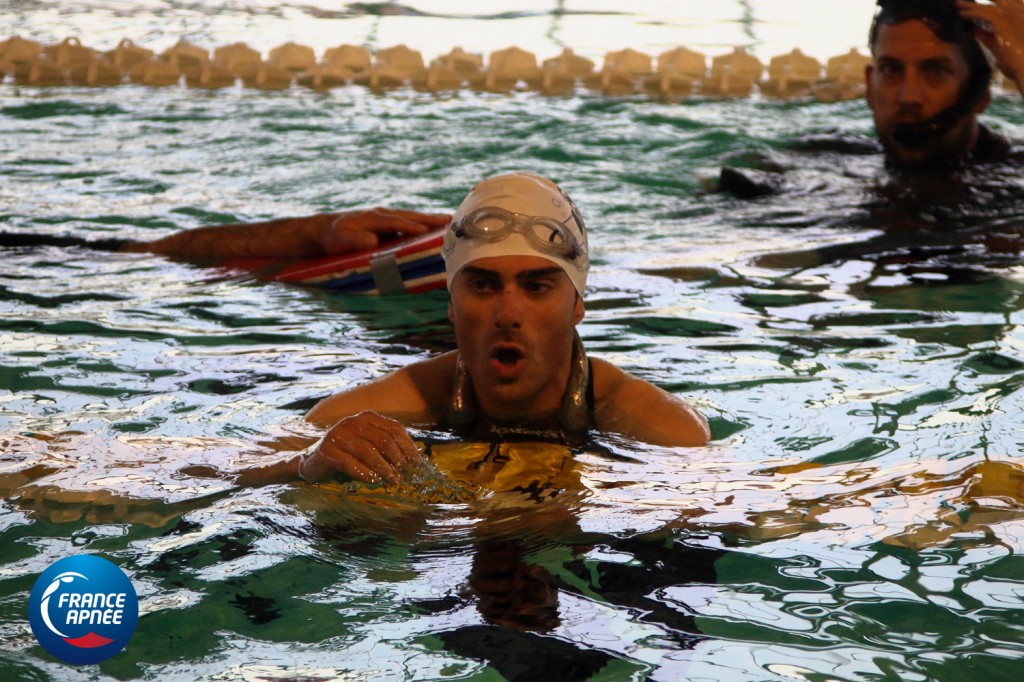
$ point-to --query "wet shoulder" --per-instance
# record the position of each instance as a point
(433, 380)
(628, 405)
(796, 167)
(836, 143)
(415, 394)
(616, 392)
(607, 379)
(993, 147)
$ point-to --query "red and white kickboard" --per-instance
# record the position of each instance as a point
(405, 265)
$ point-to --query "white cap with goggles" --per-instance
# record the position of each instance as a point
(518, 214)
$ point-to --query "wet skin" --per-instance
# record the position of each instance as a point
(915, 76)
(514, 318)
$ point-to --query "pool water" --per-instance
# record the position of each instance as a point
(855, 342)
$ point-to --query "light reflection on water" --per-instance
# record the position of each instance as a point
(859, 515)
(438, 25)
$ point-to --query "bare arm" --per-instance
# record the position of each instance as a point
(1005, 34)
(316, 235)
(366, 438)
(633, 407)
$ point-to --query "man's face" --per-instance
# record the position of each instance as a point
(514, 319)
(915, 75)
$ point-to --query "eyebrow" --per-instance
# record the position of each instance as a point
(939, 61)
(929, 63)
(944, 58)
(520, 276)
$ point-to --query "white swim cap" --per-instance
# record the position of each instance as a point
(518, 214)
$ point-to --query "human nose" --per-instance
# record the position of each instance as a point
(911, 90)
(509, 313)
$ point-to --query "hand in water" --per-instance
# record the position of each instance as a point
(366, 447)
(358, 230)
(1004, 34)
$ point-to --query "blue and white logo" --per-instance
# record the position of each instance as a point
(83, 609)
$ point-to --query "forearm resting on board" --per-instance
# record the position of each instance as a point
(298, 237)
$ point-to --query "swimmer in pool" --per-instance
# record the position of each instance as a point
(324, 234)
(928, 81)
(516, 265)
(317, 235)
(929, 78)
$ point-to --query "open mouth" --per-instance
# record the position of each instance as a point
(507, 356)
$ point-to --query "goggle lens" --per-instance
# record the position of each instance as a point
(493, 224)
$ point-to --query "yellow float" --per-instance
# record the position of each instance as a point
(733, 74)
(676, 73)
(679, 73)
(791, 75)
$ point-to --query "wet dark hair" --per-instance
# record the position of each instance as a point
(942, 17)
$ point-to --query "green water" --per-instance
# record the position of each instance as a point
(860, 515)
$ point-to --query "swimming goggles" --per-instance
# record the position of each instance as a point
(492, 224)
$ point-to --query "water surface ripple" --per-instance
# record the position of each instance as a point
(857, 349)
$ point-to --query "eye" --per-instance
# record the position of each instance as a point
(937, 69)
(481, 284)
(889, 69)
(537, 286)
